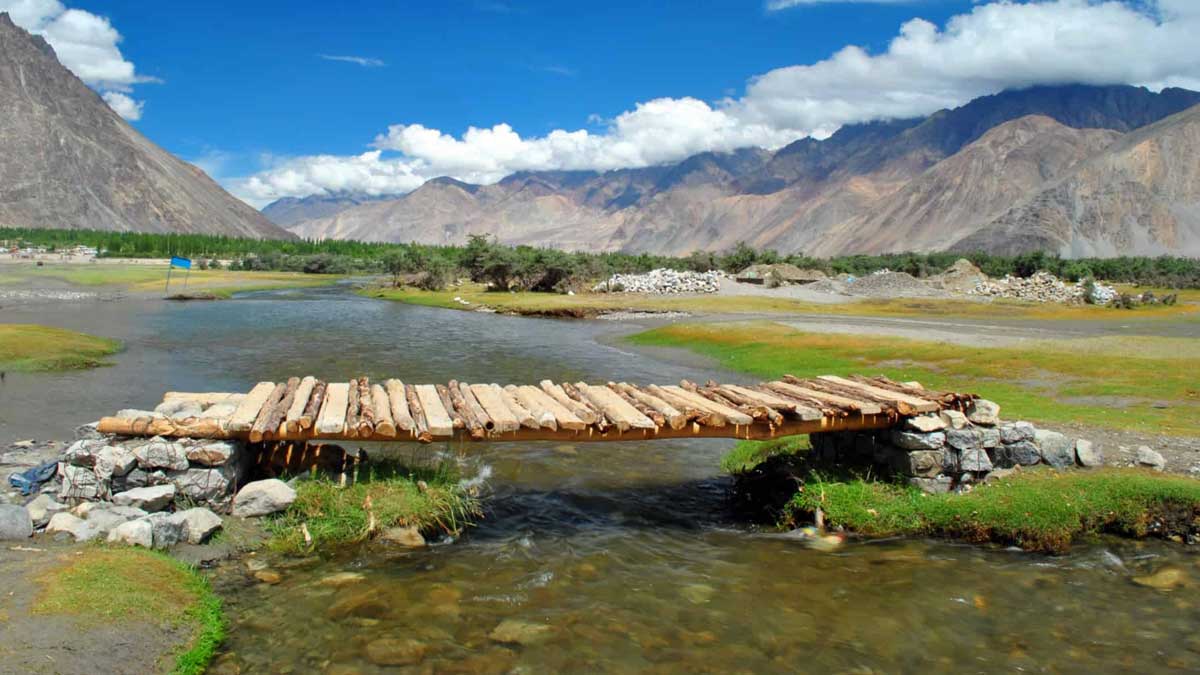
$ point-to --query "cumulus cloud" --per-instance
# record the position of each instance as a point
(364, 61)
(926, 67)
(87, 44)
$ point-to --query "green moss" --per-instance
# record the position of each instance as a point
(30, 347)
(386, 495)
(116, 585)
(1039, 510)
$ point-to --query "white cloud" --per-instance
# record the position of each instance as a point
(776, 5)
(364, 61)
(994, 46)
(87, 44)
(123, 105)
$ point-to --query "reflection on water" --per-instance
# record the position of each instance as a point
(606, 558)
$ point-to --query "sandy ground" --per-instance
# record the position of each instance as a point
(730, 287)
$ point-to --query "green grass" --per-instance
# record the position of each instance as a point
(386, 495)
(1039, 510)
(152, 278)
(1103, 382)
(115, 585)
(30, 347)
(748, 454)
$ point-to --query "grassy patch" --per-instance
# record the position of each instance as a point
(102, 585)
(29, 347)
(748, 454)
(1039, 510)
(1106, 382)
(151, 278)
(385, 495)
(591, 304)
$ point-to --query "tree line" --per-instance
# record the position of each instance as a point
(543, 269)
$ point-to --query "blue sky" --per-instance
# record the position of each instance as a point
(248, 91)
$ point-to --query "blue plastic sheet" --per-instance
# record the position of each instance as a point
(28, 481)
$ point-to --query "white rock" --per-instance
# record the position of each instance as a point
(72, 525)
(263, 497)
(926, 423)
(15, 522)
(133, 533)
(953, 419)
(153, 498)
(985, 412)
(78, 482)
(42, 507)
(104, 520)
(1087, 454)
(168, 530)
(211, 453)
(114, 460)
(1150, 458)
(198, 524)
(160, 453)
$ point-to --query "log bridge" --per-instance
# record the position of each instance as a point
(308, 409)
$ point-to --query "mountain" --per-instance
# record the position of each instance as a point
(288, 211)
(1139, 196)
(68, 161)
(924, 183)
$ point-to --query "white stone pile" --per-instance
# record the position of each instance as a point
(1042, 287)
(663, 282)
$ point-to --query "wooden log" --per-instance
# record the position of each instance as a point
(312, 409)
(503, 418)
(675, 418)
(472, 404)
(584, 413)
(564, 418)
(524, 417)
(812, 405)
(418, 414)
(655, 416)
(905, 403)
(352, 408)
(729, 414)
(443, 393)
(691, 412)
(366, 409)
(165, 426)
(541, 416)
(914, 389)
(602, 422)
(332, 419)
(795, 387)
(274, 410)
(616, 408)
(247, 411)
(303, 392)
(437, 418)
(381, 407)
(398, 400)
(755, 407)
(884, 404)
(471, 420)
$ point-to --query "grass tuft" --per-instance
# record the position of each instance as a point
(748, 454)
(34, 348)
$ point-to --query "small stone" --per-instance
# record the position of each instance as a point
(270, 577)
(934, 486)
(133, 533)
(914, 441)
(953, 419)
(15, 522)
(1056, 449)
(983, 411)
(1166, 579)
(70, 524)
(198, 524)
(78, 482)
(404, 536)
(211, 453)
(514, 631)
(367, 604)
(42, 507)
(342, 579)
(1017, 432)
(153, 498)
(925, 423)
(963, 439)
(396, 652)
(1087, 454)
(1149, 458)
(1017, 454)
(160, 453)
(263, 497)
(975, 460)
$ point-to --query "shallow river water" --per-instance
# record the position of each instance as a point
(596, 558)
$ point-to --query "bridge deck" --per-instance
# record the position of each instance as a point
(302, 409)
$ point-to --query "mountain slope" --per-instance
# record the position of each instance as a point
(68, 161)
(1139, 196)
(288, 211)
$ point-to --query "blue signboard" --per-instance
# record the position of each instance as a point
(184, 263)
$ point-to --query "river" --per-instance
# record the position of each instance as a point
(594, 558)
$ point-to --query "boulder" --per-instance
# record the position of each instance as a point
(133, 533)
(918, 462)
(515, 631)
(70, 524)
(983, 411)
(914, 441)
(953, 419)
(160, 453)
(167, 529)
(198, 524)
(206, 485)
(963, 439)
(78, 482)
(15, 522)
(105, 520)
(404, 536)
(989, 437)
(114, 460)
(211, 453)
(263, 497)
(934, 486)
(396, 651)
(974, 460)
(1056, 449)
(153, 498)
(1087, 454)
(1017, 454)
(925, 423)
(1015, 432)
(42, 507)
(82, 453)
(1149, 458)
